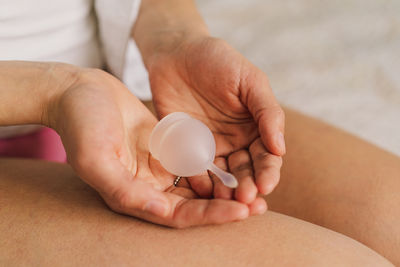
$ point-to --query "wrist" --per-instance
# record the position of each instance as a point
(58, 78)
(27, 89)
(169, 42)
(162, 26)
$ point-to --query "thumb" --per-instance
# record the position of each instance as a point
(265, 110)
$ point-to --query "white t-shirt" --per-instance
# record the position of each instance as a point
(87, 33)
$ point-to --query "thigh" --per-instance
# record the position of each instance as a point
(338, 181)
(49, 217)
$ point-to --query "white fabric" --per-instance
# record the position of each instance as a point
(135, 75)
(87, 33)
(121, 54)
(49, 30)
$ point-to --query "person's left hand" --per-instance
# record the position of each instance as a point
(211, 81)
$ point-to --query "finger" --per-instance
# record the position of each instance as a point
(190, 212)
(266, 167)
(241, 167)
(265, 110)
(220, 190)
(202, 185)
(258, 206)
(194, 212)
(209, 211)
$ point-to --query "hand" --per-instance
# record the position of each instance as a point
(208, 79)
(105, 131)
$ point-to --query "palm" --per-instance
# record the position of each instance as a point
(141, 164)
(187, 208)
(210, 80)
(207, 87)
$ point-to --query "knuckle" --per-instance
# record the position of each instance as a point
(274, 161)
(243, 167)
(255, 145)
(263, 156)
(278, 113)
(271, 114)
(268, 158)
(239, 157)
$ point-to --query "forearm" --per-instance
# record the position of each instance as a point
(162, 24)
(27, 89)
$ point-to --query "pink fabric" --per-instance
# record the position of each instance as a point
(44, 144)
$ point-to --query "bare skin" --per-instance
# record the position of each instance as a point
(338, 181)
(105, 131)
(49, 217)
(331, 178)
(191, 71)
(33, 202)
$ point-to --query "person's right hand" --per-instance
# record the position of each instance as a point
(105, 131)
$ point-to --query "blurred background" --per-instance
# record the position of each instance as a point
(338, 61)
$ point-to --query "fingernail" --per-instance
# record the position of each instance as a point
(281, 142)
(157, 207)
